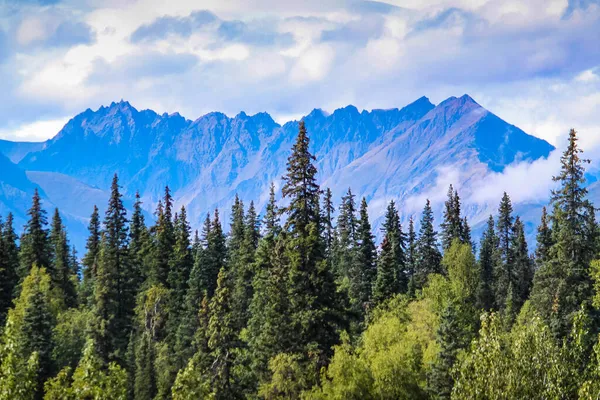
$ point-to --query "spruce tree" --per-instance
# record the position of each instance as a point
(449, 336)
(365, 270)
(522, 266)
(216, 254)
(428, 258)
(90, 260)
(271, 219)
(165, 240)
(223, 338)
(391, 265)
(411, 255)
(113, 299)
(139, 239)
(311, 286)
(64, 277)
(9, 264)
(35, 246)
(328, 210)
(503, 271)
(562, 283)
(543, 239)
(344, 250)
(487, 261)
(452, 226)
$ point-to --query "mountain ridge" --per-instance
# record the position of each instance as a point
(210, 159)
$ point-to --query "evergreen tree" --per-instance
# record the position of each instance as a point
(216, 254)
(271, 220)
(391, 265)
(562, 283)
(9, 264)
(165, 240)
(365, 270)
(311, 286)
(411, 255)
(223, 339)
(139, 241)
(428, 257)
(452, 226)
(522, 265)
(487, 261)
(35, 246)
(64, 277)
(328, 211)
(449, 336)
(503, 271)
(466, 233)
(344, 251)
(543, 239)
(145, 380)
(90, 260)
(113, 298)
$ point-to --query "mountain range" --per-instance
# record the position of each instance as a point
(381, 154)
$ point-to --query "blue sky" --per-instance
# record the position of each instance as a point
(534, 63)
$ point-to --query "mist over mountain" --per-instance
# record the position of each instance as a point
(388, 154)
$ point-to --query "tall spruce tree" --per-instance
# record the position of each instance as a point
(9, 265)
(503, 271)
(139, 238)
(562, 283)
(165, 240)
(411, 255)
(91, 257)
(35, 246)
(113, 299)
(64, 277)
(391, 265)
(365, 270)
(311, 286)
(328, 210)
(522, 265)
(488, 253)
(452, 226)
(543, 239)
(428, 254)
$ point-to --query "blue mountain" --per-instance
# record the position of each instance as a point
(381, 154)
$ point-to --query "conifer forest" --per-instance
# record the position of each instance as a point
(304, 302)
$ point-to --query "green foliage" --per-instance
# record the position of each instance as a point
(9, 266)
(428, 255)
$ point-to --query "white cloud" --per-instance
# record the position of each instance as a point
(34, 132)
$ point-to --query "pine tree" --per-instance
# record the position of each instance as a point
(165, 240)
(562, 283)
(35, 246)
(139, 239)
(145, 380)
(466, 233)
(522, 265)
(543, 239)
(391, 265)
(271, 220)
(328, 211)
(216, 254)
(452, 226)
(311, 286)
(64, 277)
(113, 299)
(90, 260)
(344, 251)
(365, 270)
(411, 255)
(487, 261)
(503, 271)
(449, 336)
(428, 258)
(9, 264)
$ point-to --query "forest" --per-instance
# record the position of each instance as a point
(302, 303)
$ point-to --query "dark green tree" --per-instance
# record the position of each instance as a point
(562, 283)
(64, 277)
(9, 265)
(113, 300)
(503, 270)
(543, 239)
(488, 253)
(91, 257)
(428, 257)
(164, 233)
(365, 270)
(35, 245)
(328, 210)
(522, 265)
(452, 226)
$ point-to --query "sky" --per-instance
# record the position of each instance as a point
(534, 63)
